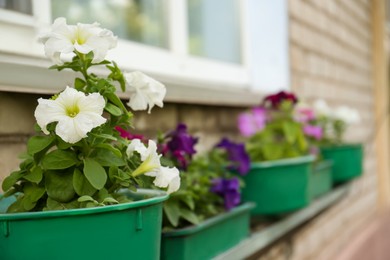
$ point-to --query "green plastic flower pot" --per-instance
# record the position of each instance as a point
(278, 186)
(124, 231)
(347, 161)
(208, 239)
(320, 178)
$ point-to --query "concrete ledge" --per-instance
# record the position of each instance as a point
(259, 240)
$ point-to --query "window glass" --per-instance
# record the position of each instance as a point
(137, 20)
(214, 29)
(22, 6)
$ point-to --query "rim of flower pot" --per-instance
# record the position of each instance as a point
(247, 206)
(320, 165)
(157, 197)
(341, 146)
(283, 162)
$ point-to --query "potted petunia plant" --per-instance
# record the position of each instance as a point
(347, 158)
(279, 153)
(320, 181)
(78, 191)
(205, 216)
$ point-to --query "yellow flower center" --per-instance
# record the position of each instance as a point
(72, 111)
(80, 37)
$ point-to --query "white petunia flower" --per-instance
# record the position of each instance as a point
(84, 38)
(149, 157)
(76, 114)
(347, 115)
(321, 108)
(144, 91)
(165, 177)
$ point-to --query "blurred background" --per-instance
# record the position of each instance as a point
(217, 58)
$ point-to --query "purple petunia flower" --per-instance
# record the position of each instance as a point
(229, 190)
(276, 99)
(252, 122)
(313, 131)
(237, 155)
(180, 145)
(181, 140)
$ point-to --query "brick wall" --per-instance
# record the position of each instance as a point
(331, 58)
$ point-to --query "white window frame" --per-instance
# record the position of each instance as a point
(23, 66)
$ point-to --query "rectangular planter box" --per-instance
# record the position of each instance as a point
(320, 178)
(279, 186)
(127, 231)
(347, 161)
(208, 239)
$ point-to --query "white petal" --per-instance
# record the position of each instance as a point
(136, 145)
(151, 152)
(94, 103)
(48, 111)
(144, 89)
(71, 131)
(138, 102)
(168, 177)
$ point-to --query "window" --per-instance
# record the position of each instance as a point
(212, 34)
(22, 6)
(142, 21)
(216, 50)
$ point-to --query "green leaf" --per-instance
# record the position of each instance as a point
(112, 97)
(59, 159)
(95, 173)
(32, 193)
(105, 136)
(189, 201)
(59, 186)
(10, 192)
(10, 180)
(35, 175)
(81, 185)
(189, 215)
(38, 143)
(55, 205)
(290, 131)
(61, 144)
(113, 110)
(108, 158)
(272, 151)
(111, 148)
(79, 84)
(110, 200)
(172, 212)
(17, 206)
(86, 198)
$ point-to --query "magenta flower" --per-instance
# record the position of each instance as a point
(126, 134)
(305, 114)
(252, 122)
(276, 99)
(229, 189)
(313, 131)
(239, 159)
